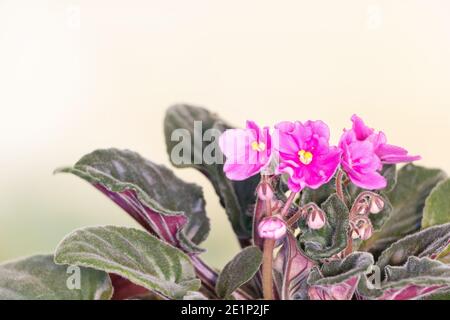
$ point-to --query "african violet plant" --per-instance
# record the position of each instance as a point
(314, 221)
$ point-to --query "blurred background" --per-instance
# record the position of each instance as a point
(80, 75)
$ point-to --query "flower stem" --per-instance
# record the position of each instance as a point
(267, 262)
(349, 249)
(339, 190)
(302, 212)
(340, 193)
(294, 218)
(267, 281)
(288, 204)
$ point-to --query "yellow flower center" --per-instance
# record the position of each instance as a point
(258, 146)
(305, 157)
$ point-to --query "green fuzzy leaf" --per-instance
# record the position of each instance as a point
(195, 295)
(238, 271)
(389, 172)
(378, 220)
(338, 279)
(444, 255)
(165, 205)
(132, 254)
(426, 243)
(337, 271)
(437, 205)
(332, 238)
(414, 184)
(237, 197)
(439, 296)
(417, 278)
(319, 195)
(39, 278)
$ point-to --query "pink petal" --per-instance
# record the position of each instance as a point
(370, 181)
(319, 127)
(359, 127)
(253, 128)
(235, 143)
(393, 154)
(239, 172)
(312, 136)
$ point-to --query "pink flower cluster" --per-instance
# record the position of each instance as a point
(302, 151)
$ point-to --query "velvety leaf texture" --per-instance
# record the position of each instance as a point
(237, 197)
(166, 206)
(390, 173)
(337, 271)
(338, 279)
(239, 271)
(194, 295)
(444, 255)
(424, 270)
(39, 278)
(437, 205)
(416, 279)
(426, 243)
(318, 196)
(132, 254)
(439, 296)
(332, 238)
(414, 184)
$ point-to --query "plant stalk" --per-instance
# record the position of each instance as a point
(288, 204)
(267, 281)
(339, 190)
(269, 244)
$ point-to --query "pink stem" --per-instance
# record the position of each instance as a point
(288, 203)
(339, 190)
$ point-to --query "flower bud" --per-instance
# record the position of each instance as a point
(361, 228)
(272, 228)
(355, 234)
(376, 204)
(366, 231)
(362, 207)
(316, 219)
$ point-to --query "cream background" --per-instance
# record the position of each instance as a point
(81, 75)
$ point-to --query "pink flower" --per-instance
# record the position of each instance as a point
(247, 151)
(305, 154)
(387, 153)
(364, 153)
(361, 164)
(272, 228)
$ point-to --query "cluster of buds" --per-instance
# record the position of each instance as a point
(276, 226)
(366, 203)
